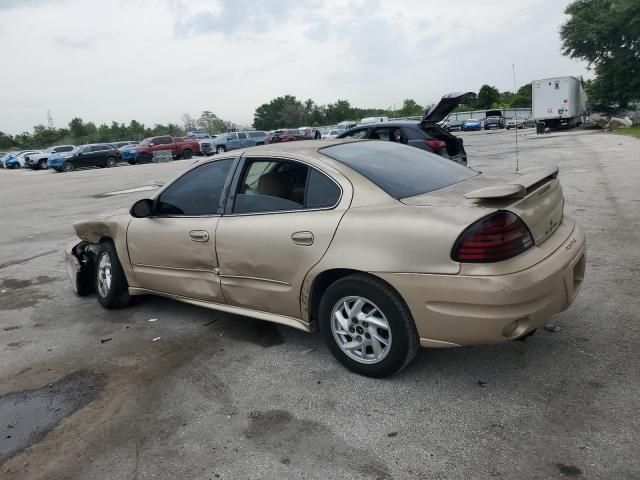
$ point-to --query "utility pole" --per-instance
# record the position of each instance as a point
(49, 119)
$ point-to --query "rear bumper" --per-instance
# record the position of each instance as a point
(455, 310)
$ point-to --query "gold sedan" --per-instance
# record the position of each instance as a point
(383, 247)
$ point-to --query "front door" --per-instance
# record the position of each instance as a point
(282, 219)
(174, 251)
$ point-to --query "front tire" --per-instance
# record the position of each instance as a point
(112, 288)
(367, 326)
(67, 167)
(221, 149)
(43, 165)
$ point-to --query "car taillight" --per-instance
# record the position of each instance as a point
(499, 236)
(436, 144)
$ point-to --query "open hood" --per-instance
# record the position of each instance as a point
(444, 107)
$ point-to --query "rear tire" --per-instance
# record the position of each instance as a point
(187, 154)
(111, 162)
(112, 288)
(372, 313)
(68, 167)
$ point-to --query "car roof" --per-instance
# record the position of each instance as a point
(390, 123)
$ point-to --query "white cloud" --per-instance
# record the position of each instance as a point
(153, 60)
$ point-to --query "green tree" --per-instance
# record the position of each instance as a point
(410, 108)
(488, 97)
(77, 128)
(281, 112)
(522, 98)
(339, 111)
(606, 34)
(210, 122)
(6, 141)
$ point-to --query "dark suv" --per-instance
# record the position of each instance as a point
(424, 134)
(96, 155)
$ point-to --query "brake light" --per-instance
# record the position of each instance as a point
(435, 144)
(499, 236)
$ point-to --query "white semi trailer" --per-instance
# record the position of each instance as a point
(558, 101)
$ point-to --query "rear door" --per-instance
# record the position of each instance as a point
(244, 141)
(282, 215)
(174, 250)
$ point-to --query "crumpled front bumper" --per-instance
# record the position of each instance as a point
(80, 266)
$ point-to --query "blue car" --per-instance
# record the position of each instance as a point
(471, 124)
(15, 159)
(129, 153)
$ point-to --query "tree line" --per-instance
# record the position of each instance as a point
(606, 34)
(79, 132)
(289, 112)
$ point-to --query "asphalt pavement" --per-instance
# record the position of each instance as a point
(87, 393)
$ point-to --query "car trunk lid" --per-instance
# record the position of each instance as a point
(444, 107)
(534, 195)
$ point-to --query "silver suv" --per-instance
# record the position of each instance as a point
(38, 161)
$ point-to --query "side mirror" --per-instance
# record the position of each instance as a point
(142, 208)
(80, 154)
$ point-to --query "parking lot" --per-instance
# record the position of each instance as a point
(167, 390)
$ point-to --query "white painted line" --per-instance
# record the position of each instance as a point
(131, 190)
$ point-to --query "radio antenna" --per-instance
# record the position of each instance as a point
(515, 90)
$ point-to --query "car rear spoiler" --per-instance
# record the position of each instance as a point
(520, 187)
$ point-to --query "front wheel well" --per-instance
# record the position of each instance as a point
(325, 279)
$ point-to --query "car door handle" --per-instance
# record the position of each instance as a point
(302, 238)
(199, 235)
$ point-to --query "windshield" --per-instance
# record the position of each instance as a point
(399, 170)
(146, 141)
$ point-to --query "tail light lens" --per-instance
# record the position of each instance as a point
(435, 144)
(499, 236)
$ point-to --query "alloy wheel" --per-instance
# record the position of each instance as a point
(361, 329)
(104, 275)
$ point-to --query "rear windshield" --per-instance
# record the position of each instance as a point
(399, 170)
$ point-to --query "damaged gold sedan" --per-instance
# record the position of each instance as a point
(383, 247)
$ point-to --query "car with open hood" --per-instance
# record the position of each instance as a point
(381, 246)
(16, 159)
(425, 134)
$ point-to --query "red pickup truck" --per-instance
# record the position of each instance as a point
(179, 147)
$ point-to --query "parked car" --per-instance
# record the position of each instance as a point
(38, 161)
(289, 135)
(471, 124)
(332, 134)
(16, 159)
(232, 141)
(382, 247)
(453, 124)
(494, 122)
(519, 121)
(179, 147)
(124, 143)
(129, 153)
(93, 155)
(258, 137)
(424, 134)
(198, 134)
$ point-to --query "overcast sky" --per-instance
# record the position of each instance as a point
(153, 60)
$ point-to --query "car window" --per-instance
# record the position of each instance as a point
(276, 185)
(401, 171)
(197, 192)
(68, 148)
(361, 133)
(322, 192)
(384, 134)
(242, 136)
(232, 136)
